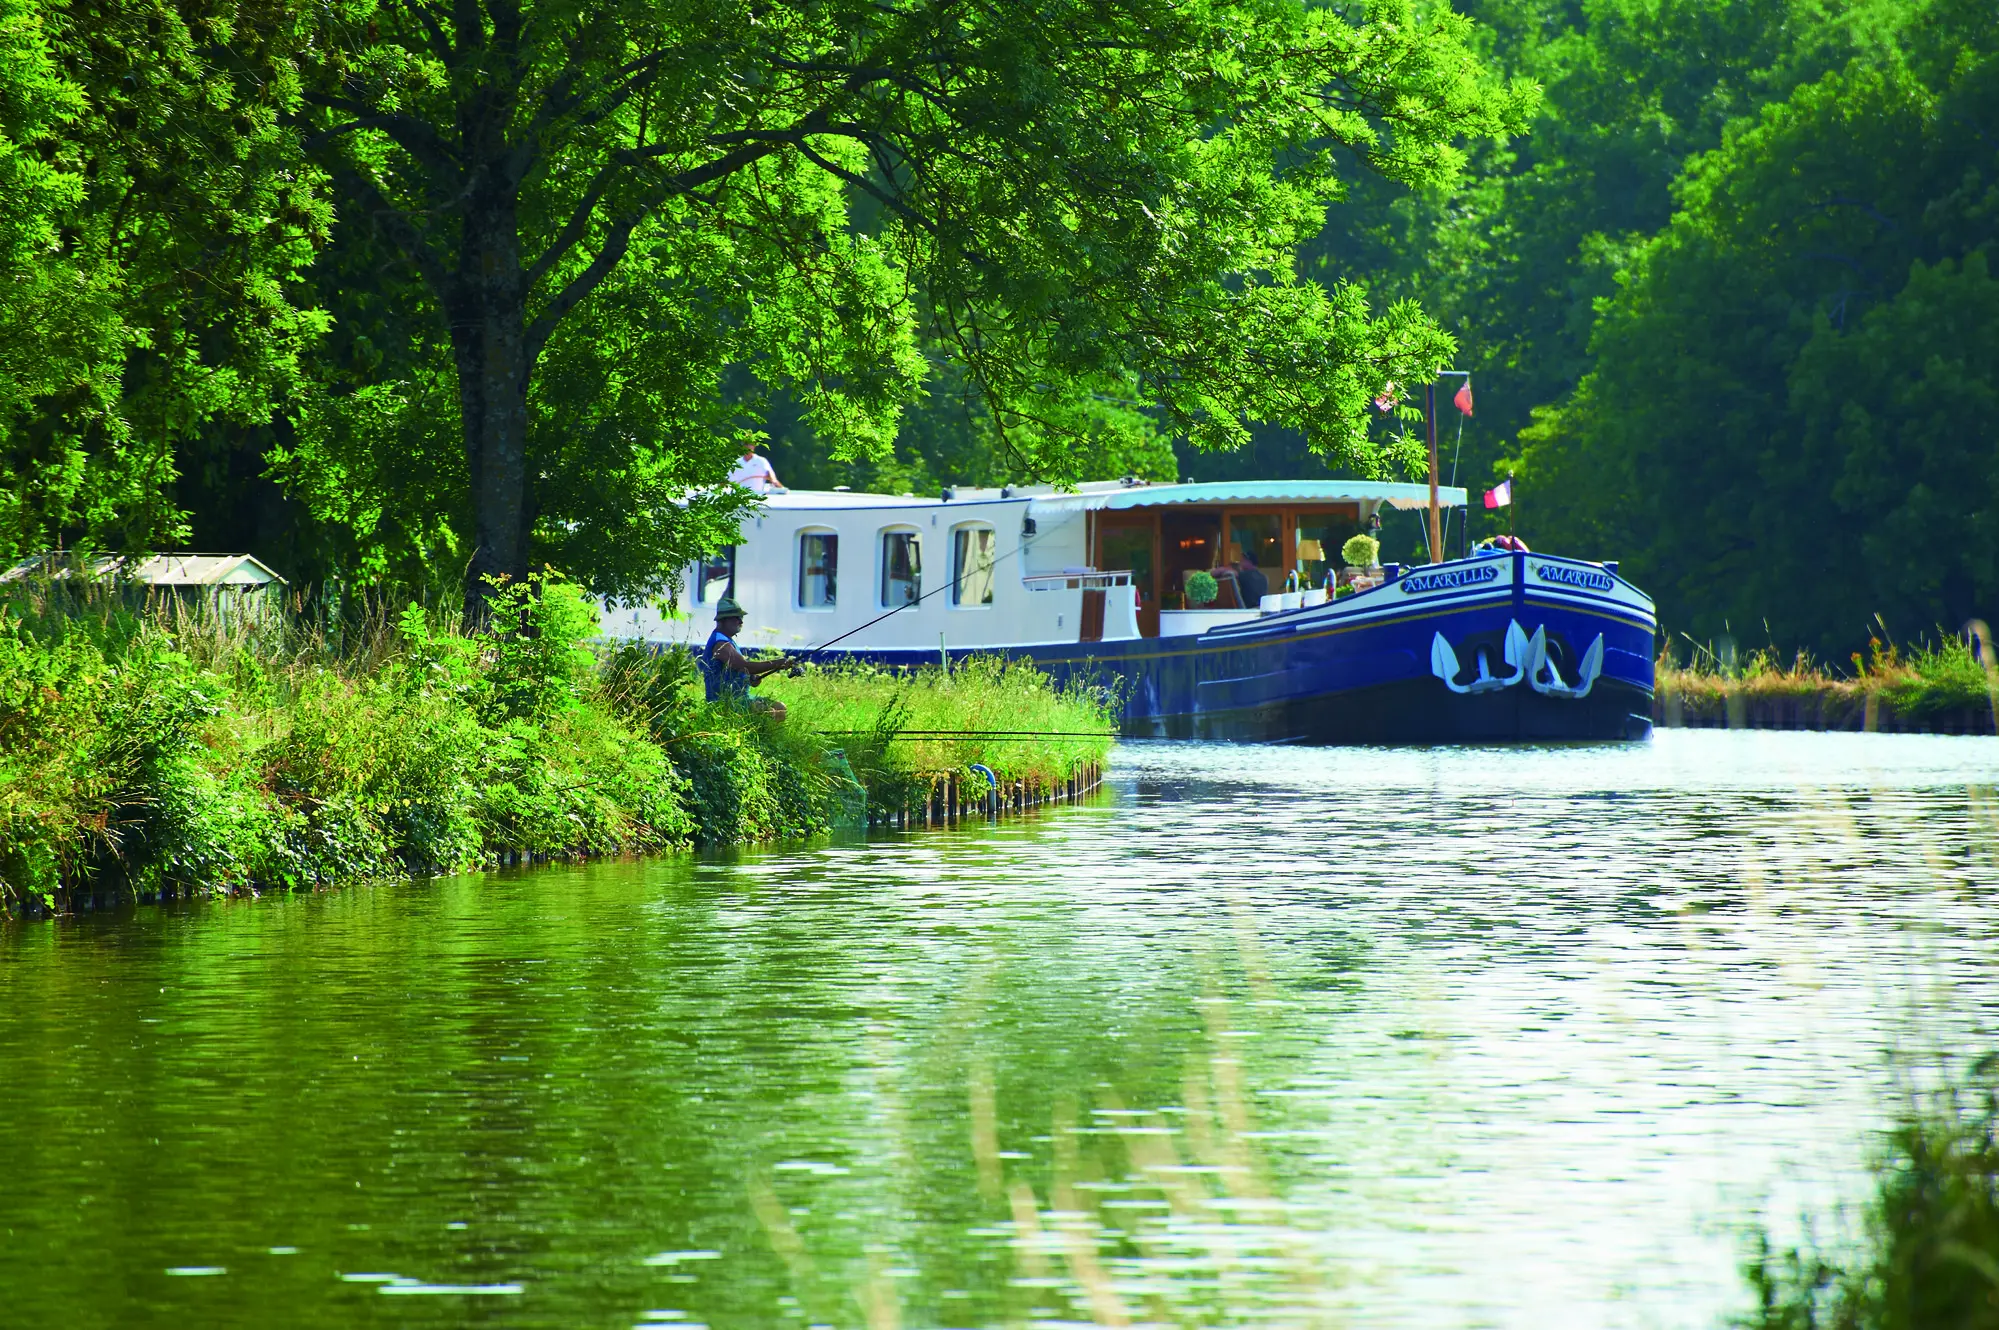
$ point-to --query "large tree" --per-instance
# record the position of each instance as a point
(1513, 261)
(154, 219)
(1789, 420)
(1076, 201)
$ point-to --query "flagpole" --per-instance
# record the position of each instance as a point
(1512, 502)
(1436, 519)
(1437, 551)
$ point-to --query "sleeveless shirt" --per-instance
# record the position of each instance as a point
(719, 679)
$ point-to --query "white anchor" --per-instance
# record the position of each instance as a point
(1444, 663)
(1528, 658)
(1553, 686)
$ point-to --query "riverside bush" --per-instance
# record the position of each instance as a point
(169, 749)
(168, 752)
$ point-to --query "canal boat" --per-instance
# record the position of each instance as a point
(1092, 584)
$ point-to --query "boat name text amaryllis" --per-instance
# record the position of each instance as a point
(1589, 579)
(1416, 584)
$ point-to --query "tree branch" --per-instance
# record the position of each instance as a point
(413, 136)
(440, 45)
(620, 238)
(404, 231)
(866, 186)
(578, 224)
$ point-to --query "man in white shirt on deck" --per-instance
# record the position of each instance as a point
(754, 472)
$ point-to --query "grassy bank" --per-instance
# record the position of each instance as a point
(1942, 687)
(1930, 1255)
(168, 750)
(893, 727)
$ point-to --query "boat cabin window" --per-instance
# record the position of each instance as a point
(902, 569)
(714, 575)
(972, 571)
(818, 570)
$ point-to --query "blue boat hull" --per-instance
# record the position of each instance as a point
(1369, 669)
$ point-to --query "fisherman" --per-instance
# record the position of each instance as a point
(755, 472)
(727, 672)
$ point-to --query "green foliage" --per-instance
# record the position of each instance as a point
(1797, 354)
(1202, 589)
(1362, 551)
(159, 216)
(181, 751)
(537, 633)
(1932, 1253)
(1513, 262)
(948, 436)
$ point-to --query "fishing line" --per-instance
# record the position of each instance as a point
(982, 734)
(813, 651)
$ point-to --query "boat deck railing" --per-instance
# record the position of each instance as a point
(1065, 581)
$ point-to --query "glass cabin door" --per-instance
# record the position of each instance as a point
(1131, 541)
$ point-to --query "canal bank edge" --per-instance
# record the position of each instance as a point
(168, 754)
(1951, 688)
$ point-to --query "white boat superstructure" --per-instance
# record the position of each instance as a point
(1010, 567)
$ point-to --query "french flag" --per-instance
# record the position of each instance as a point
(1500, 496)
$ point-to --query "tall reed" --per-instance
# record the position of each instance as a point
(1922, 683)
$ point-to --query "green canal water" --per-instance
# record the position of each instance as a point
(1529, 1037)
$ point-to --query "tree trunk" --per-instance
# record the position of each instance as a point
(489, 340)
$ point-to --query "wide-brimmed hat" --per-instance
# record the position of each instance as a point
(727, 608)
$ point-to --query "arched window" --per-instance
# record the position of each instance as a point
(902, 568)
(972, 565)
(818, 570)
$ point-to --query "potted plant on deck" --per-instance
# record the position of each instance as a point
(1202, 589)
(1361, 554)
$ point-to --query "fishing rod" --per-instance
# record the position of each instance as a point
(813, 651)
(983, 734)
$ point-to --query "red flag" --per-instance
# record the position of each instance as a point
(1386, 402)
(1463, 400)
(1500, 495)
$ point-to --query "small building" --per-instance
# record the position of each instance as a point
(236, 582)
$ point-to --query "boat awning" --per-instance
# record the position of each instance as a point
(1406, 497)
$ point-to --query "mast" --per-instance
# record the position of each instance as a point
(1430, 426)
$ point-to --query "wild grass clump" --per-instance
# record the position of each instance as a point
(1951, 676)
(1930, 1260)
(901, 728)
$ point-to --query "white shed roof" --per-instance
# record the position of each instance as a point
(160, 570)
